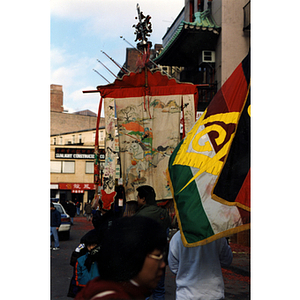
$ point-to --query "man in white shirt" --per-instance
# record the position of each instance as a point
(198, 269)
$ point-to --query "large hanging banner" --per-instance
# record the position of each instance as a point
(148, 114)
(108, 192)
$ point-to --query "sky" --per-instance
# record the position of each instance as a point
(80, 29)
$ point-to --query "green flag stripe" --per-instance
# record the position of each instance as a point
(193, 219)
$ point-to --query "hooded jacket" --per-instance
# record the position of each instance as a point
(82, 274)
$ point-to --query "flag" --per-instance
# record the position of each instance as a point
(197, 166)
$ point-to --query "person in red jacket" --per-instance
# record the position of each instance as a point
(130, 262)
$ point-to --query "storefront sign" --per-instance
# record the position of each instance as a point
(79, 187)
(77, 153)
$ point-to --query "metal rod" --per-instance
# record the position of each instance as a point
(91, 91)
(122, 68)
(101, 75)
(106, 68)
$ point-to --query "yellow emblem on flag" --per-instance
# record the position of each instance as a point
(197, 151)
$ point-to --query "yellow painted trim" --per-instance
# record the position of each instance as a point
(217, 236)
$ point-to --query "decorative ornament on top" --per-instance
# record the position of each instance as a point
(142, 30)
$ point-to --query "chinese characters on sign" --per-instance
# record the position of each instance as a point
(77, 187)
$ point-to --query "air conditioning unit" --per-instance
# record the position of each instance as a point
(208, 56)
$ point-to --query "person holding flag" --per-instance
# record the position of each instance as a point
(198, 269)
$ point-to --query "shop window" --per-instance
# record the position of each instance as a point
(89, 167)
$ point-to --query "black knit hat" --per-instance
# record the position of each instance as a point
(147, 192)
(126, 245)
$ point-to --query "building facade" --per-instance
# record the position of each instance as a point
(206, 42)
(72, 164)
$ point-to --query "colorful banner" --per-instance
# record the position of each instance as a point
(148, 107)
(147, 139)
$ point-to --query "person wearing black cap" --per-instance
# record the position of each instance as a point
(130, 261)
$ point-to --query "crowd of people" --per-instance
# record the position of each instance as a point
(126, 257)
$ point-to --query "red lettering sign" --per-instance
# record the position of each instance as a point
(77, 186)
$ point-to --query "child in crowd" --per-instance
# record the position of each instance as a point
(86, 267)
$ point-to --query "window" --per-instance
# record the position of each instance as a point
(59, 166)
(89, 167)
(61, 140)
(68, 166)
(101, 135)
(55, 166)
(54, 141)
(80, 138)
(94, 136)
(73, 138)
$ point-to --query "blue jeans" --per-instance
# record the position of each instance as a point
(78, 211)
(54, 231)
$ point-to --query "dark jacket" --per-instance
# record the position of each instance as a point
(88, 208)
(71, 209)
(156, 213)
(55, 219)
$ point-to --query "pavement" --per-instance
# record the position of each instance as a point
(237, 275)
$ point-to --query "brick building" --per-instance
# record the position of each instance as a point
(56, 98)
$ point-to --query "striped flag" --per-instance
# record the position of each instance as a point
(209, 171)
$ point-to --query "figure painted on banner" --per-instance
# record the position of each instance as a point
(143, 159)
(198, 269)
(55, 221)
(148, 207)
(88, 210)
(130, 260)
(108, 182)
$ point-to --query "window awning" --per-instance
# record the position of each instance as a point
(189, 40)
